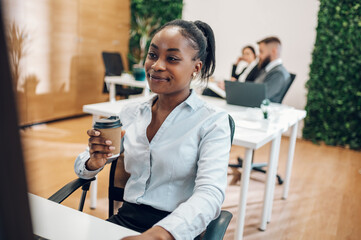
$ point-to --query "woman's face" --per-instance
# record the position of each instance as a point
(170, 63)
(248, 55)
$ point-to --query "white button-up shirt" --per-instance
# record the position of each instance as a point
(273, 64)
(183, 169)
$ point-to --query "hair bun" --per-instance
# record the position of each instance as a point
(204, 27)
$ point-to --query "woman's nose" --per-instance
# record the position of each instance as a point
(158, 65)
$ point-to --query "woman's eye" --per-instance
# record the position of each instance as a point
(152, 55)
(173, 59)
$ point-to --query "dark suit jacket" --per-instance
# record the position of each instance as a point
(276, 81)
(250, 77)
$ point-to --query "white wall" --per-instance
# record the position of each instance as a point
(237, 23)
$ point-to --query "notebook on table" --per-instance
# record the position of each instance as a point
(247, 94)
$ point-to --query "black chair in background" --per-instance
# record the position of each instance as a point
(215, 230)
(114, 67)
(259, 166)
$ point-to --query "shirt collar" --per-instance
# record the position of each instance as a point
(253, 63)
(273, 64)
(193, 101)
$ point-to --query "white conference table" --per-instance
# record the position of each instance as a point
(252, 132)
(54, 221)
(124, 79)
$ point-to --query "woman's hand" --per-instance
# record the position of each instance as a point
(155, 233)
(239, 59)
(99, 149)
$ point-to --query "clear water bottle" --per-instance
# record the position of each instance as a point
(265, 107)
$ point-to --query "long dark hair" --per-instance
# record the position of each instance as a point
(250, 48)
(201, 37)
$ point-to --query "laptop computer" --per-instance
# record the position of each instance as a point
(247, 94)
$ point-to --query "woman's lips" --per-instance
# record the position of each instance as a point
(158, 78)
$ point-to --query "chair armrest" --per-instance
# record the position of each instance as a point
(217, 228)
(69, 188)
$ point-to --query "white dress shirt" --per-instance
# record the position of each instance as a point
(243, 76)
(273, 64)
(183, 169)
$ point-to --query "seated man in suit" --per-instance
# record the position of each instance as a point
(273, 73)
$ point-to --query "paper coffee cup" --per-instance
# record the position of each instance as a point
(110, 129)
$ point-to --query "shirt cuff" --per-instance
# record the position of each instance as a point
(174, 224)
(80, 169)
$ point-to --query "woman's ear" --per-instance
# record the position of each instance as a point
(198, 66)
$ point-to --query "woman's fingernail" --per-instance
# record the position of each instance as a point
(109, 154)
(108, 142)
(97, 133)
(111, 148)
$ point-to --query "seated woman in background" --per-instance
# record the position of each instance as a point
(250, 72)
(176, 146)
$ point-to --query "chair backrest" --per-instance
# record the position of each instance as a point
(113, 63)
(232, 126)
(289, 83)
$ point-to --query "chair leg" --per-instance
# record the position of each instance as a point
(280, 180)
(83, 196)
(236, 176)
(82, 200)
(240, 161)
(111, 208)
(258, 169)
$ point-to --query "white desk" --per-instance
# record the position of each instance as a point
(55, 221)
(125, 79)
(251, 137)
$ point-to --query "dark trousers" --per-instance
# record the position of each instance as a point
(139, 218)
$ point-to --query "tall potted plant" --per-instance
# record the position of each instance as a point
(146, 17)
(145, 27)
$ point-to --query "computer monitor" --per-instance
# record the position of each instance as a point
(15, 220)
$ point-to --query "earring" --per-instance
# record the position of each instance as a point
(194, 74)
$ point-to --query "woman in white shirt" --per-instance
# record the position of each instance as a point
(176, 147)
(250, 71)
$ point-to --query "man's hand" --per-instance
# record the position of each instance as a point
(155, 233)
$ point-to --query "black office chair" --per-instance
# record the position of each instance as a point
(215, 230)
(259, 166)
(114, 67)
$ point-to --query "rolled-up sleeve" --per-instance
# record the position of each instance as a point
(191, 217)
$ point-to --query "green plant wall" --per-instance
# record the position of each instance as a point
(334, 87)
(160, 12)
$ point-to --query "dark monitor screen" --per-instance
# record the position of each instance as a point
(15, 220)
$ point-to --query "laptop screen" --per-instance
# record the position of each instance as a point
(247, 94)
